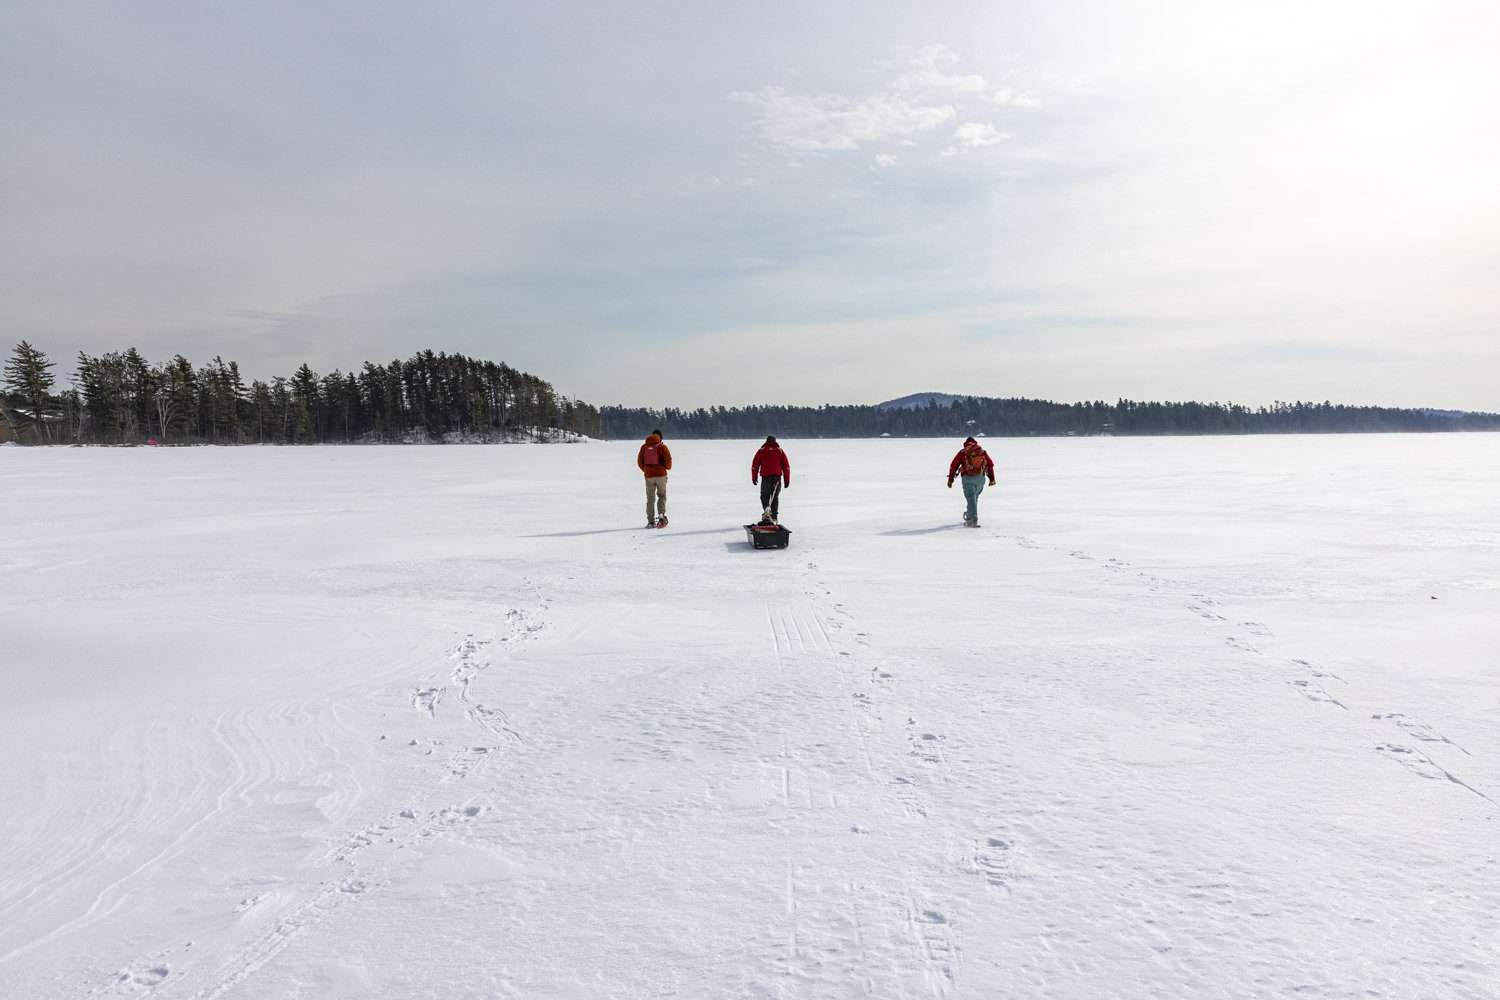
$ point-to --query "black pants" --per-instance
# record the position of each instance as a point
(770, 495)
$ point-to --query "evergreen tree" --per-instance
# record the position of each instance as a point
(137, 395)
(304, 389)
(281, 406)
(260, 410)
(29, 380)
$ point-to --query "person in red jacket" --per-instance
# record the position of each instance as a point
(773, 470)
(974, 464)
(655, 461)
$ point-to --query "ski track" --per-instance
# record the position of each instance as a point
(866, 694)
(355, 866)
(888, 938)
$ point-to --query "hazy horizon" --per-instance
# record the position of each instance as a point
(670, 207)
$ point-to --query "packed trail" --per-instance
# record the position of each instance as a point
(1185, 717)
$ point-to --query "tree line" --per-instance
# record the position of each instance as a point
(121, 398)
(1017, 417)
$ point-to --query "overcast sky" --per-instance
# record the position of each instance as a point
(704, 202)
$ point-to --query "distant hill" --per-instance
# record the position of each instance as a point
(918, 400)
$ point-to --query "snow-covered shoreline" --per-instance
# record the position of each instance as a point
(572, 437)
(1185, 717)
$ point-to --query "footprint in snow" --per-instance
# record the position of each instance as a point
(426, 700)
(1419, 730)
(1313, 691)
(1320, 674)
(992, 860)
(1420, 764)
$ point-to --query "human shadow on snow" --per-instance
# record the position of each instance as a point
(577, 534)
(922, 531)
(667, 532)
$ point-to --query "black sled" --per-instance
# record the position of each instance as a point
(768, 536)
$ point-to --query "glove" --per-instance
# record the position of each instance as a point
(992, 482)
(950, 484)
(754, 481)
(786, 484)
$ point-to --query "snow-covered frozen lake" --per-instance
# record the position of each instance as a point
(1185, 718)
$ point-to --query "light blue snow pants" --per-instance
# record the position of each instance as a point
(973, 486)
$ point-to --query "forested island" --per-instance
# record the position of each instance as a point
(121, 398)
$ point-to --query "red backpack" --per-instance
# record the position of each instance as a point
(651, 454)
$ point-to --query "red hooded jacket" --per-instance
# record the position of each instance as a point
(663, 463)
(771, 461)
(972, 460)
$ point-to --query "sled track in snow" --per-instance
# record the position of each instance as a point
(350, 871)
(804, 636)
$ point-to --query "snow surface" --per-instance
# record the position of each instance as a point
(1185, 718)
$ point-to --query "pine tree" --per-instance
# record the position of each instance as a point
(260, 409)
(304, 386)
(183, 384)
(28, 378)
(281, 406)
(137, 395)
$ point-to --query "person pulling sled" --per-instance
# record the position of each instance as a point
(655, 460)
(974, 464)
(773, 470)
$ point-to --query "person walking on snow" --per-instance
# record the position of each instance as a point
(975, 464)
(773, 470)
(655, 461)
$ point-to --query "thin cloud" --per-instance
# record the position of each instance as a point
(928, 73)
(976, 135)
(1009, 97)
(808, 123)
(924, 94)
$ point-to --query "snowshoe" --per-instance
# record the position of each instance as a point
(661, 522)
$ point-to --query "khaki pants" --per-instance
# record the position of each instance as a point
(656, 498)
